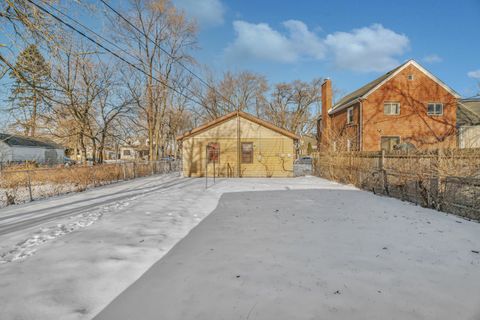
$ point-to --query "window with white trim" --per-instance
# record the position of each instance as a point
(435, 109)
(388, 143)
(391, 108)
(350, 115)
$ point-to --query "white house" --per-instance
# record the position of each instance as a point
(468, 122)
(134, 150)
(19, 149)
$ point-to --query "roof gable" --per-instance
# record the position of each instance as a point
(19, 141)
(243, 115)
(372, 86)
(468, 112)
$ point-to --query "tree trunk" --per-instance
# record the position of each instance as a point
(94, 150)
(33, 120)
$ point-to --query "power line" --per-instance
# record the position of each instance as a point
(110, 51)
(115, 45)
(167, 53)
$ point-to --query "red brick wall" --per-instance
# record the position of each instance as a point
(341, 131)
(412, 124)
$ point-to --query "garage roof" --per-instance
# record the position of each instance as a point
(244, 115)
(13, 140)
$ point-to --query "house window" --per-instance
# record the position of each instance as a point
(435, 109)
(410, 77)
(350, 115)
(247, 152)
(388, 143)
(391, 108)
(213, 152)
(127, 153)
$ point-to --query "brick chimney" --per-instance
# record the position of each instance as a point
(326, 105)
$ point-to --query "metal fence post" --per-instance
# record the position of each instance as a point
(438, 181)
(384, 173)
(29, 183)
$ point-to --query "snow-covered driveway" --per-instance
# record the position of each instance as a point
(312, 249)
(313, 254)
(69, 256)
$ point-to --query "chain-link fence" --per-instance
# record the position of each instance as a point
(447, 180)
(24, 185)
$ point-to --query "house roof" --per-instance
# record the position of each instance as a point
(468, 112)
(370, 87)
(13, 140)
(243, 115)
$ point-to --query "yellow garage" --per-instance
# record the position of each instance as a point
(238, 145)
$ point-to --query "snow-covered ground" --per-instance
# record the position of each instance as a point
(67, 257)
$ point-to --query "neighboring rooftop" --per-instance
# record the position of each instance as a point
(366, 89)
(14, 140)
(468, 111)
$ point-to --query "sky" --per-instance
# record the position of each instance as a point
(351, 42)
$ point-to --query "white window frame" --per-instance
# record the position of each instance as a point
(350, 115)
(390, 137)
(410, 77)
(434, 113)
(390, 104)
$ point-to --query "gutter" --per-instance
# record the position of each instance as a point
(335, 110)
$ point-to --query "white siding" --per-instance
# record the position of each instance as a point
(5, 152)
(469, 137)
(37, 154)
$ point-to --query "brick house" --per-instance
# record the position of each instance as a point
(408, 107)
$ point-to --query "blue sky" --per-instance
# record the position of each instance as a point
(352, 42)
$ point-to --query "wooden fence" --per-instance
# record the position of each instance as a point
(446, 180)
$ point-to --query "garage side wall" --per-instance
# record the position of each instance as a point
(6, 152)
(273, 153)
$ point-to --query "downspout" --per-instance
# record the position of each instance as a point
(238, 145)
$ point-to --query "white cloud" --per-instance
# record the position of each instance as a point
(432, 58)
(373, 48)
(474, 74)
(206, 12)
(260, 41)
(305, 42)
(367, 49)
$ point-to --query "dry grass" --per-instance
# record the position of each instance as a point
(17, 182)
(447, 180)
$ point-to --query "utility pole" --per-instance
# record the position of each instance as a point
(238, 145)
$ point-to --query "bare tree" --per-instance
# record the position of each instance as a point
(22, 22)
(292, 105)
(161, 26)
(89, 99)
(244, 91)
